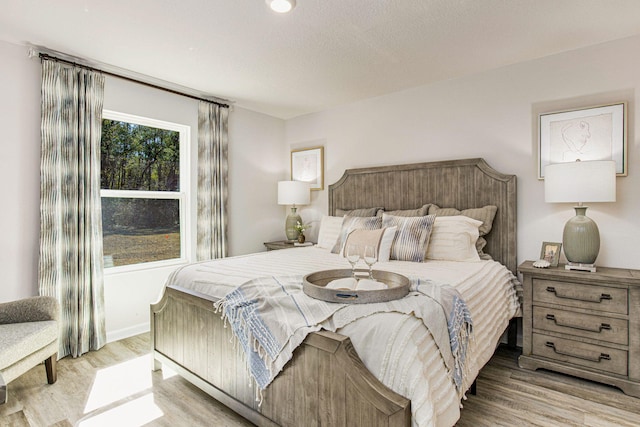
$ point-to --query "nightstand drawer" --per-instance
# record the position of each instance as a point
(600, 298)
(577, 353)
(582, 325)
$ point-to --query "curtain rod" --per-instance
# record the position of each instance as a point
(130, 79)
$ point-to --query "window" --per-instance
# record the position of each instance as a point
(144, 190)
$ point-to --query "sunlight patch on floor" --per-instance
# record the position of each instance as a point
(167, 372)
(121, 381)
(134, 413)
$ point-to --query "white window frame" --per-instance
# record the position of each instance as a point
(183, 195)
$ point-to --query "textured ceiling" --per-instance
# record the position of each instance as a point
(322, 54)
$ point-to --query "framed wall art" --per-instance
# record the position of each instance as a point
(595, 133)
(308, 165)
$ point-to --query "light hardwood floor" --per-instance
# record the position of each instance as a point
(510, 396)
(115, 387)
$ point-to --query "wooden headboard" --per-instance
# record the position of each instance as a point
(460, 184)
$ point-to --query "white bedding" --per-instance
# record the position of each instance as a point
(396, 348)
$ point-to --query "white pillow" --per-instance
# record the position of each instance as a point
(330, 227)
(453, 238)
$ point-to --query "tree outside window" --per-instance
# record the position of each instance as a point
(143, 197)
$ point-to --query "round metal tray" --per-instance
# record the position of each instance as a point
(313, 285)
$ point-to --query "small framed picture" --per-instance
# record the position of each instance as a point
(307, 165)
(551, 252)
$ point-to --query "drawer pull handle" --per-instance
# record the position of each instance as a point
(598, 329)
(577, 356)
(596, 299)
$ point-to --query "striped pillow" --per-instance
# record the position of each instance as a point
(412, 237)
(351, 223)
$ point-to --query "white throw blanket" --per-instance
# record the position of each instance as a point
(271, 316)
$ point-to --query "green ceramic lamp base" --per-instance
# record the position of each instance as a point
(290, 224)
(581, 241)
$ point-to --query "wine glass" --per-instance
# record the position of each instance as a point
(353, 256)
(370, 258)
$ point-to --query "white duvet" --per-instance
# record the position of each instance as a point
(396, 348)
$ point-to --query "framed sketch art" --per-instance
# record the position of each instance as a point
(307, 165)
(596, 133)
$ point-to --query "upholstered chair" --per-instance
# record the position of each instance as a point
(28, 335)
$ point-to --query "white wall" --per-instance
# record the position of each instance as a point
(493, 115)
(257, 161)
(19, 172)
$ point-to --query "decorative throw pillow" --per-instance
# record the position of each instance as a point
(381, 239)
(367, 212)
(421, 211)
(351, 223)
(453, 238)
(485, 214)
(362, 238)
(411, 238)
(384, 254)
(329, 231)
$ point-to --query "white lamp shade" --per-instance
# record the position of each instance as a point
(293, 193)
(581, 181)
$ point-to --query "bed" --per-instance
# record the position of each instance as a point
(326, 382)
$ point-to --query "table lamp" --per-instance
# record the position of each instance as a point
(580, 181)
(293, 193)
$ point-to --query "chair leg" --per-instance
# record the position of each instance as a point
(51, 364)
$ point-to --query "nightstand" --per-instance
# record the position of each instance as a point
(280, 244)
(583, 324)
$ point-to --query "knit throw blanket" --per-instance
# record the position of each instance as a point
(271, 316)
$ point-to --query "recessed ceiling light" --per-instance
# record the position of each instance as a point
(281, 6)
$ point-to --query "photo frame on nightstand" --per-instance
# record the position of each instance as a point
(550, 252)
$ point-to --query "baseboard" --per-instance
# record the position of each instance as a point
(128, 332)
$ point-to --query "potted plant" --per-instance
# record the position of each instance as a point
(301, 228)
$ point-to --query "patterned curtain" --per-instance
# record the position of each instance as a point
(71, 263)
(213, 171)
